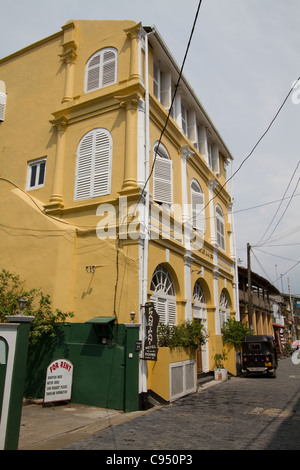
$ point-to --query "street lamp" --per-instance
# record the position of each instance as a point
(132, 315)
(22, 304)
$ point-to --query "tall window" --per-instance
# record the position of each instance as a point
(101, 69)
(198, 207)
(93, 166)
(224, 308)
(36, 171)
(199, 307)
(220, 228)
(162, 175)
(164, 295)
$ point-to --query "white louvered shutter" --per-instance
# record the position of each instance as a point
(109, 68)
(84, 168)
(161, 307)
(172, 317)
(93, 170)
(163, 180)
(101, 69)
(102, 164)
(93, 73)
(156, 82)
(198, 213)
(2, 105)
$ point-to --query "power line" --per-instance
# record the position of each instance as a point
(156, 150)
(276, 256)
(255, 146)
(173, 98)
(283, 197)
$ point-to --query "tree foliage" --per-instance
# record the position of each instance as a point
(234, 331)
(38, 305)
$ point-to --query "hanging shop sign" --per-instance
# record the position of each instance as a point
(152, 319)
(59, 379)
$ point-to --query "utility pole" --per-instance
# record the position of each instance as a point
(292, 312)
(249, 286)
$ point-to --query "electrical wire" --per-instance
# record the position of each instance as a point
(173, 98)
(283, 197)
(254, 147)
(276, 256)
(142, 195)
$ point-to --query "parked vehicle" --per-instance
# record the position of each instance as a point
(259, 355)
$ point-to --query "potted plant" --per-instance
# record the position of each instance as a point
(220, 371)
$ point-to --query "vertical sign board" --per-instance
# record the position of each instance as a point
(152, 319)
(59, 379)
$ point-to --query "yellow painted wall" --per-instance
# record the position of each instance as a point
(158, 372)
(51, 249)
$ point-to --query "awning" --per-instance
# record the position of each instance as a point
(101, 320)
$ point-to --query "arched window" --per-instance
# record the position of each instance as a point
(224, 308)
(220, 228)
(198, 205)
(93, 166)
(101, 69)
(164, 295)
(162, 175)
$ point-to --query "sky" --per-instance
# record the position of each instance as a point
(243, 61)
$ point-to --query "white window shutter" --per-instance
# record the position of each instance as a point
(215, 159)
(101, 69)
(156, 82)
(109, 68)
(198, 213)
(192, 128)
(84, 168)
(2, 105)
(166, 90)
(102, 164)
(172, 312)
(202, 138)
(162, 180)
(93, 169)
(161, 309)
(93, 73)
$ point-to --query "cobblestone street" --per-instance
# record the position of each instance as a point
(252, 413)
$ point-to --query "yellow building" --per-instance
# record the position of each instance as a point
(110, 197)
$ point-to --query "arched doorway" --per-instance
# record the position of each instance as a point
(200, 314)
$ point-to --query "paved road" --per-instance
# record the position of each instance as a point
(239, 414)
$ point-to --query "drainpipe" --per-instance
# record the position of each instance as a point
(146, 213)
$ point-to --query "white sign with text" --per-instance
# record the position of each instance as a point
(59, 378)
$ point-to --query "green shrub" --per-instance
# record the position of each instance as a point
(190, 334)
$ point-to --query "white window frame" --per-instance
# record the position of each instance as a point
(164, 296)
(37, 165)
(101, 71)
(220, 227)
(93, 165)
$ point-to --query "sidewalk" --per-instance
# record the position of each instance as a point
(52, 428)
(56, 426)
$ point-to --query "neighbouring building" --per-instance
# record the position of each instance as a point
(111, 198)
